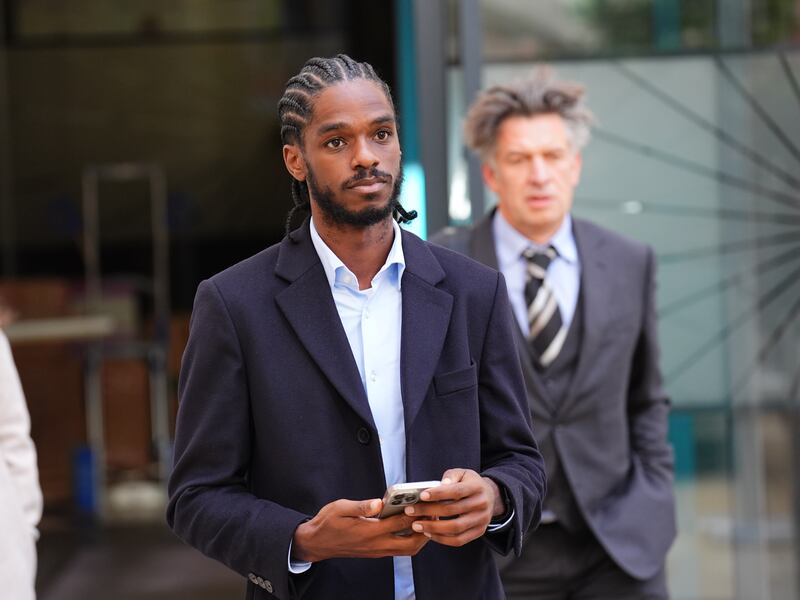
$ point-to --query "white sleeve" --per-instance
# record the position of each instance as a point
(17, 452)
(297, 566)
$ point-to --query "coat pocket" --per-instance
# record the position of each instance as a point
(456, 381)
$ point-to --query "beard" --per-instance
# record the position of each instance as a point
(337, 213)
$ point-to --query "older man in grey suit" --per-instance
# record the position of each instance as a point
(584, 300)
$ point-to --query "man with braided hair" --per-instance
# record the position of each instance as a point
(584, 303)
(349, 357)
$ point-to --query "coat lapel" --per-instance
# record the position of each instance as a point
(597, 292)
(308, 305)
(426, 318)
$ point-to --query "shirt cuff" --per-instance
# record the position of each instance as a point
(296, 566)
(498, 526)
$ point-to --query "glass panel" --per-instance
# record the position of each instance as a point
(524, 30)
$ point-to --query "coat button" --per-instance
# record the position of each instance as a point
(363, 435)
(268, 586)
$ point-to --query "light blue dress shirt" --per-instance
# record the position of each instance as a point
(563, 274)
(372, 321)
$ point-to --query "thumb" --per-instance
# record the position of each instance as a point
(355, 508)
(369, 508)
(453, 475)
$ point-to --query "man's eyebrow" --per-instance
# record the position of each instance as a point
(383, 119)
(328, 127)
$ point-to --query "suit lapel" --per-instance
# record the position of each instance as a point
(426, 318)
(308, 305)
(597, 295)
(481, 242)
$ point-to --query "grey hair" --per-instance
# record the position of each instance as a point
(538, 93)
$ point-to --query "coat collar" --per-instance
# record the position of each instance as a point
(308, 305)
(481, 245)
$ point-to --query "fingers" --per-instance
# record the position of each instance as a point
(454, 532)
(355, 508)
(449, 509)
(400, 522)
(467, 484)
(408, 545)
(464, 537)
(347, 528)
(456, 512)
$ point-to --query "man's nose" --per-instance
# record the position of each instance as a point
(363, 155)
(539, 170)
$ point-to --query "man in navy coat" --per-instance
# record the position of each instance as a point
(349, 357)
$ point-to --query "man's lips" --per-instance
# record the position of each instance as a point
(368, 185)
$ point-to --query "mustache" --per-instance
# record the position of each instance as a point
(373, 173)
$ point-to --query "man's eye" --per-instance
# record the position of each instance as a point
(383, 135)
(335, 143)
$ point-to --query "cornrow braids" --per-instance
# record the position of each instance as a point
(296, 107)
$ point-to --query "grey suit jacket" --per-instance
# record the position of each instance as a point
(610, 429)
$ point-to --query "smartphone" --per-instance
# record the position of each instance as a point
(400, 495)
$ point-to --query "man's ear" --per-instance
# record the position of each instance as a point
(489, 177)
(577, 168)
(294, 161)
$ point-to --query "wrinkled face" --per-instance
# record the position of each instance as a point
(350, 156)
(534, 170)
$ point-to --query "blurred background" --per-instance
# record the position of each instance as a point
(140, 153)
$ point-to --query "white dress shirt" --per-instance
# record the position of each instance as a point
(372, 321)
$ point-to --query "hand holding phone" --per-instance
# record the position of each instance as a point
(400, 495)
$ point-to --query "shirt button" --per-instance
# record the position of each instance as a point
(363, 435)
(373, 376)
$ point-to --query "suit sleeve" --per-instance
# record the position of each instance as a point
(648, 404)
(509, 452)
(210, 505)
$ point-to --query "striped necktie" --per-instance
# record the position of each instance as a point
(546, 329)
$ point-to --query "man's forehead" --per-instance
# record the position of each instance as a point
(545, 130)
(349, 103)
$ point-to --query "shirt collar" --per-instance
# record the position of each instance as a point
(337, 272)
(510, 243)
